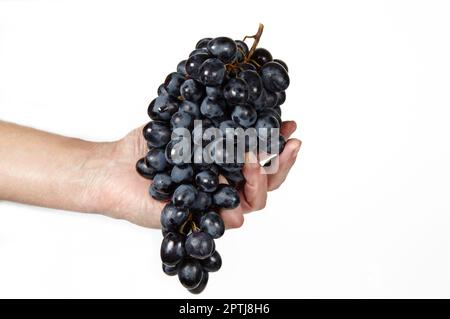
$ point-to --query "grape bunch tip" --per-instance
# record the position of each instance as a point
(223, 86)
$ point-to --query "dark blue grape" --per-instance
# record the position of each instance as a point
(275, 78)
(170, 270)
(214, 92)
(199, 245)
(158, 195)
(163, 107)
(212, 224)
(172, 249)
(283, 64)
(162, 90)
(193, 64)
(254, 83)
(226, 197)
(242, 50)
(182, 120)
(235, 92)
(144, 170)
(163, 183)
(184, 196)
(203, 202)
(191, 108)
(174, 152)
(261, 56)
(212, 72)
(207, 181)
(223, 48)
(191, 90)
(201, 286)
(156, 159)
(181, 67)
(157, 133)
(172, 217)
(182, 173)
(281, 97)
(173, 83)
(212, 263)
(244, 115)
(199, 51)
(265, 123)
(212, 109)
(202, 43)
(190, 273)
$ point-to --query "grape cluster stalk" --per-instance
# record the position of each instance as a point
(224, 85)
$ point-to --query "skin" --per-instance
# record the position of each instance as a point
(49, 170)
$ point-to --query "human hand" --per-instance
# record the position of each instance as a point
(120, 192)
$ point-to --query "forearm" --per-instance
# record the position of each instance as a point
(44, 169)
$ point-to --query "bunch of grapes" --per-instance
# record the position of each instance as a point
(223, 85)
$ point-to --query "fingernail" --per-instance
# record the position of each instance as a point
(295, 152)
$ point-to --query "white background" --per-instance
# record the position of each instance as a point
(365, 212)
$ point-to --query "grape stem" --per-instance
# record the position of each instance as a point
(256, 38)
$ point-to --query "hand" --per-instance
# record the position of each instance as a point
(122, 193)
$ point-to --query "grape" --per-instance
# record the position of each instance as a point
(157, 133)
(212, 72)
(220, 90)
(170, 270)
(212, 224)
(161, 90)
(265, 123)
(283, 64)
(261, 56)
(242, 50)
(211, 108)
(207, 181)
(172, 249)
(190, 273)
(214, 92)
(184, 196)
(144, 170)
(212, 263)
(191, 90)
(202, 43)
(275, 78)
(193, 64)
(254, 83)
(163, 183)
(235, 91)
(223, 48)
(158, 195)
(183, 173)
(281, 97)
(226, 197)
(173, 148)
(201, 286)
(163, 107)
(156, 159)
(181, 68)
(173, 217)
(244, 115)
(199, 51)
(202, 202)
(173, 83)
(182, 120)
(199, 245)
(191, 108)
